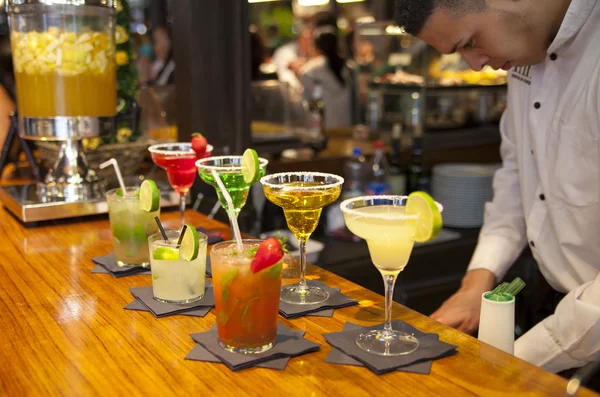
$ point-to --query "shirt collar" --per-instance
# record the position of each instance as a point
(577, 14)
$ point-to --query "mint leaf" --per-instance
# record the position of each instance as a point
(228, 278)
(223, 318)
(226, 281)
(275, 271)
(224, 296)
(252, 252)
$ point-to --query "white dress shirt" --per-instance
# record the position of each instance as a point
(547, 193)
(282, 57)
(337, 97)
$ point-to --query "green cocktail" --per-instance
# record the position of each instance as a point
(131, 226)
(229, 169)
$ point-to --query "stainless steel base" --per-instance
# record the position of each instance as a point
(27, 205)
(65, 128)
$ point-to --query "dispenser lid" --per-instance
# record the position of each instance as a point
(97, 3)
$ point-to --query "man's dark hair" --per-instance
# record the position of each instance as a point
(413, 14)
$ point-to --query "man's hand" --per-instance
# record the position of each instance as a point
(461, 310)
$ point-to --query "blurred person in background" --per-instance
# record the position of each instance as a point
(258, 57)
(330, 69)
(143, 62)
(163, 67)
(290, 57)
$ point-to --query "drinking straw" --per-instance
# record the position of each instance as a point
(514, 287)
(114, 163)
(232, 216)
(499, 289)
(162, 229)
(181, 235)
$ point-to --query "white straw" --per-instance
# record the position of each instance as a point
(232, 215)
(114, 163)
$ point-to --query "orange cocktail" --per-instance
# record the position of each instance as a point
(246, 303)
(63, 73)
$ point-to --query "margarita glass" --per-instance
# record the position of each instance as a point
(390, 227)
(229, 169)
(302, 196)
(178, 160)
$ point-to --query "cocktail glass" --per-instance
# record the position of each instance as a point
(131, 227)
(178, 160)
(389, 232)
(246, 303)
(302, 195)
(175, 280)
(229, 169)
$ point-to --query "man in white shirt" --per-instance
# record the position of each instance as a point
(547, 193)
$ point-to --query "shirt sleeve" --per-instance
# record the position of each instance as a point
(569, 337)
(503, 235)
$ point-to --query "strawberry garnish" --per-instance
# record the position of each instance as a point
(269, 253)
(199, 144)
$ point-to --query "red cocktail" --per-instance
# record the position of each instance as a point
(179, 161)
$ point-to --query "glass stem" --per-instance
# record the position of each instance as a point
(181, 207)
(302, 245)
(389, 281)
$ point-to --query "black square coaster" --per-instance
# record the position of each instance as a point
(429, 348)
(337, 357)
(199, 353)
(336, 300)
(161, 309)
(287, 345)
(109, 265)
(139, 306)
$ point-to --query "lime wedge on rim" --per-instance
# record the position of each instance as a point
(149, 196)
(429, 218)
(190, 244)
(250, 166)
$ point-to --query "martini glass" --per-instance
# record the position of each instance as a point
(389, 231)
(302, 195)
(229, 169)
(178, 160)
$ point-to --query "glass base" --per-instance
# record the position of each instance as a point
(246, 350)
(397, 343)
(179, 302)
(296, 295)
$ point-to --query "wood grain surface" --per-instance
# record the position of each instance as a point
(64, 332)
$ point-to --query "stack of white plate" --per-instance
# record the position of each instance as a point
(463, 189)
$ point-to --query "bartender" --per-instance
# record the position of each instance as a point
(547, 194)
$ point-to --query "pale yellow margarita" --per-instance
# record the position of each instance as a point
(389, 233)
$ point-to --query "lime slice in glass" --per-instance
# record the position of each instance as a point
(190, 244)
(429, 218)
(250, 166)
(165, 254)
(149, 196)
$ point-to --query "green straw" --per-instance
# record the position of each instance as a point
(514, 287)
(499, 289)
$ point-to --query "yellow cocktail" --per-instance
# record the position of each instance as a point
(389, 233)
(302, 195)
(391, 225)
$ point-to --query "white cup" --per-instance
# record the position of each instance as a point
(497, 324)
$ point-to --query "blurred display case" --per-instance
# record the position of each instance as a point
(398, 74)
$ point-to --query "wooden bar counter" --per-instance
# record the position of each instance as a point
(64, 332)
